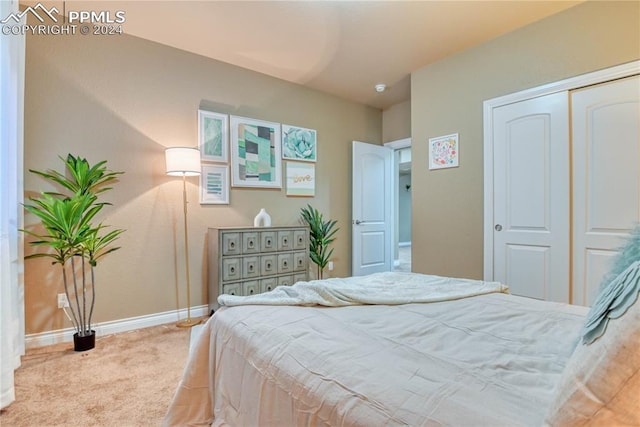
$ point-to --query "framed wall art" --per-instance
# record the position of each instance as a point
(443, 152)
(214, 185)
(299, 144)
(255, 153)
(213, 136)
(301, 179)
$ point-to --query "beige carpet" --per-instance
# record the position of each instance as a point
(127, 380)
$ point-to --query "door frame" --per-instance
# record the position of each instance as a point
(601, 76)
(395, 146)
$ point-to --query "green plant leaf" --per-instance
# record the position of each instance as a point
(321, 235)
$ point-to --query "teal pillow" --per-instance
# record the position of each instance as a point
(612, 302)
(629, 253)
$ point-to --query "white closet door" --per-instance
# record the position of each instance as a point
(531, 197)
(606, 178)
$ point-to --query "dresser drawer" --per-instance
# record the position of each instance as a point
(231, 244)
(250, 267)
(299, 277)
(285, 263)
(267, 285)
(268, 241)
(250, 243)
(285, 240)
(268, 265)
(300, 239)
(232, 289)
(300, 261)
(285, 280)
(231, 269)
(251, 288)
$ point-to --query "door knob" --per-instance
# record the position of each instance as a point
(358, 222)
(498, 227)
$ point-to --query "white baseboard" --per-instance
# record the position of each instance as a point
(115, 326)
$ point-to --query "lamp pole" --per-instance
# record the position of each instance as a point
(188, 322)
(184, 161)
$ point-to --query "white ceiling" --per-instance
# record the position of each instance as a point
(340, 47)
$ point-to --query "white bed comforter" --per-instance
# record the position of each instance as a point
(489, 360)
(388, 288)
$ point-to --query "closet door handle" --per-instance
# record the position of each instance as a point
(498, 227)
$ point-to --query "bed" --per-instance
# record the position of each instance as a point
(390, 349)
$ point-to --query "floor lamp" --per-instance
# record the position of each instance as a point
(184, 161)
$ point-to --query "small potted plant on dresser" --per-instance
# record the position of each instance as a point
(71, 237)
(321, 235)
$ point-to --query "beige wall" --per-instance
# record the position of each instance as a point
(396, 122)
(123, 99)
(447, 97)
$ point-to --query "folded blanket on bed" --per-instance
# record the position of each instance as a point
(386, 288)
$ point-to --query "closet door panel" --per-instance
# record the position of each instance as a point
(606, 178)
(531, 197)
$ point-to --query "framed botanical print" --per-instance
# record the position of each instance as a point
(213, 136)
(299, 144)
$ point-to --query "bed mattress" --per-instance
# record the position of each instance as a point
(488, 360)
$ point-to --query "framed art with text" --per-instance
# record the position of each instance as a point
(301, 179)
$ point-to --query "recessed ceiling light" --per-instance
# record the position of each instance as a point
(380, 87)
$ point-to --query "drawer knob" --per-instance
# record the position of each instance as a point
(251, 267)
(232, 269)
(268, 242)
(268, 265)
(232, 245)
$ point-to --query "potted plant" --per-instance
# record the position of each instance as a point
(72, 238)
(321, 234)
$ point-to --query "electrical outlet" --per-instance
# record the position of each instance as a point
(330, 265)
(62, 301)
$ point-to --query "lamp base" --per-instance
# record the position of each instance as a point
(189, 322)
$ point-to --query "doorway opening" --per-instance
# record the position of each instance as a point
(402, 204)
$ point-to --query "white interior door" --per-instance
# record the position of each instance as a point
(606, 178)
(531, 197)
(372, 208)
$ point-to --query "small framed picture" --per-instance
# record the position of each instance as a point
(299, 144)
(301, 179)
(443, 152)
(214, 185)
(255, 153)
(213, 136)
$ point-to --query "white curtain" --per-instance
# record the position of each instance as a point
(11, 212)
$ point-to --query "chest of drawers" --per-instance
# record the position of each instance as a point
(247, 261)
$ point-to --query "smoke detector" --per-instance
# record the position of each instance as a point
(380, 87)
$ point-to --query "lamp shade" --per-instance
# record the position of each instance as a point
(182, 161)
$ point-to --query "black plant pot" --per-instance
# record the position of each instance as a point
(84, 343)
